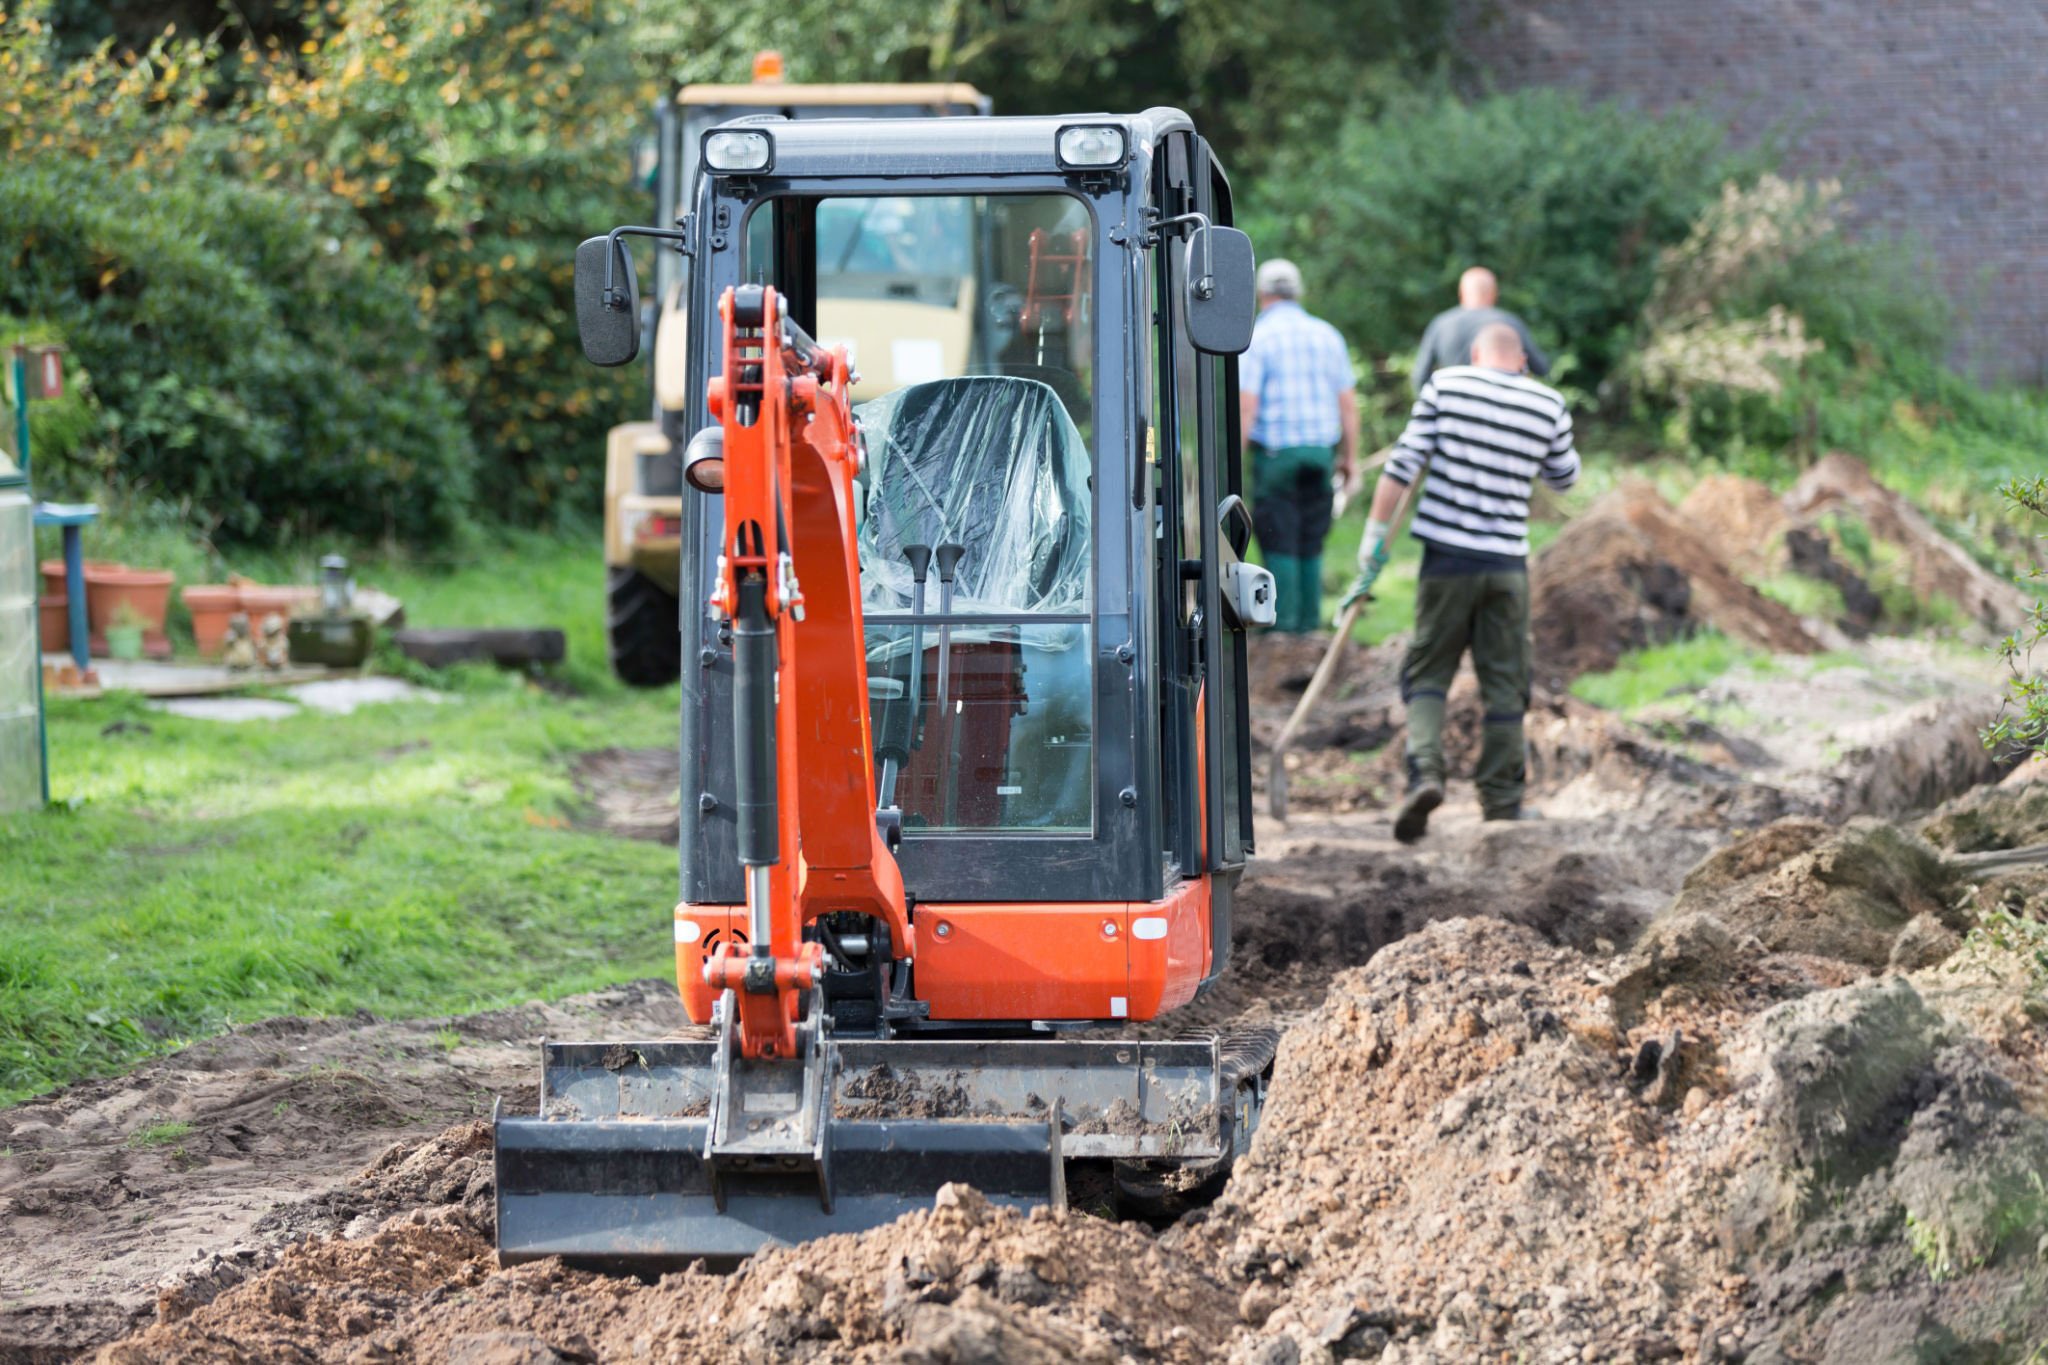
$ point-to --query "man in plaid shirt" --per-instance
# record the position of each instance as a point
(1300, 404)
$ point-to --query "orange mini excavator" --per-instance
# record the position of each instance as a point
(964, 746)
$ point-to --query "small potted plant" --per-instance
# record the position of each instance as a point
(124, 633)
(145, 593)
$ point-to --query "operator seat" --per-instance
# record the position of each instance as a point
(995, 464)
(991, 462)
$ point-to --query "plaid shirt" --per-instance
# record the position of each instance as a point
(1296, 367)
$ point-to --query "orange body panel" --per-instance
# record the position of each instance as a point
(700, 929)
(1017, 960)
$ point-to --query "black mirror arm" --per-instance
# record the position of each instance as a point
(612, 297)
(1203, 286)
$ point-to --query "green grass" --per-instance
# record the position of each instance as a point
(1804, 597)
(160, 1134)
(411, 860)
(1649, 675)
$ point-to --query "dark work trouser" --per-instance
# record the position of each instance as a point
(1487, 613)
(1291, 514)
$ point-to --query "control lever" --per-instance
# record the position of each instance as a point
(950, 556)
(899, 732)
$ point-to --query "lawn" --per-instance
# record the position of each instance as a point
(413, 859)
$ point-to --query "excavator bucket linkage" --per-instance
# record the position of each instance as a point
(648, 1155)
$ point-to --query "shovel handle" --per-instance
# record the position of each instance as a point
(1319, 683)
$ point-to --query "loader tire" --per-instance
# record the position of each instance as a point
(643, 629)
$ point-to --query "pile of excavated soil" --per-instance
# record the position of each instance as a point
(1933, 565)
(1629, 573)
(1871, 894)
(1741, 517)
(962, 1281)
(1452, 1162)
(1484, 1148)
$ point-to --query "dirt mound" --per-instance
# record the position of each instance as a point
(2005, 816)
(1852, 895)
(1886, 1197)
(1630, 573)
(963, 1281)
(1444, 1166)
(1468, 1156)
(1932, 565)
(1740, 516)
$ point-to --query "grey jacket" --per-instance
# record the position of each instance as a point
(1447, 341)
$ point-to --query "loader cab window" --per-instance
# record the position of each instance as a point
(970, 322)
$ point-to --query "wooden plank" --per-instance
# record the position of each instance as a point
(509, 647)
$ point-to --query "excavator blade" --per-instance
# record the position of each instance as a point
(619, 1169)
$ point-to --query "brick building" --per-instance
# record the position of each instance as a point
(1933, 112)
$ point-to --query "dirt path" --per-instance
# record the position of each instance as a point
(315, 1189)
(192, 1171)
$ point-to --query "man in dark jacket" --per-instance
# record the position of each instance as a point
(1448, 339)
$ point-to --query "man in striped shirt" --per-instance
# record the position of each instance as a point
(1484, 432)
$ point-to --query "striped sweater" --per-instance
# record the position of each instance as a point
(1485, 436)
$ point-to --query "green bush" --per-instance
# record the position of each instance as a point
(250, 361)
(1569, 202)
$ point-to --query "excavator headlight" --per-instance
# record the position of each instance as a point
(739, 153)
(1090, 146)
(704, 460)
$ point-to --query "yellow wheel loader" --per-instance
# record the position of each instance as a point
(902, 312)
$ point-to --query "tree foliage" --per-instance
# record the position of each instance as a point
(457, 149)
(1568, 202)
(251, 359)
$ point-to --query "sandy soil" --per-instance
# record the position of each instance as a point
(193, 1171)
(1700, 1067)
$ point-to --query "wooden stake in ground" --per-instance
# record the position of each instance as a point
(1276, 776)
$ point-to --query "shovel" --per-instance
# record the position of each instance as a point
(1333, 658)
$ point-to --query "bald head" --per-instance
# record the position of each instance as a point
(1499, 347)
(1477, 288)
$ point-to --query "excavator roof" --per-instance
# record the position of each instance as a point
(981, 146)
(770, 95)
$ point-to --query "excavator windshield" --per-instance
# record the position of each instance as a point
(970, 320)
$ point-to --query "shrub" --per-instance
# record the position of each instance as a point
(1569, 202)
(2024, 724)
(246, 361)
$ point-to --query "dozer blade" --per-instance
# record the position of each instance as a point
(619, 1167)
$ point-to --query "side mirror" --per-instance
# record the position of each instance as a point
(607, 302)
(1222, 302)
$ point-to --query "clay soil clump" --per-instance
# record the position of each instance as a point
(1630, 573)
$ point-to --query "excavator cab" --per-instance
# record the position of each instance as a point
(965, 749)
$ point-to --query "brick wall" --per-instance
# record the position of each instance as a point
(1933, 112)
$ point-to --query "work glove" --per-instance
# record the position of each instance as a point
(1372, 558)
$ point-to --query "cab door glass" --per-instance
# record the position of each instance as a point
(970, 323)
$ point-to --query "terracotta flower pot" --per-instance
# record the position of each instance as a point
(53, 573)
(211, 604)
(261, 599)
(112, 591)
(55, 622)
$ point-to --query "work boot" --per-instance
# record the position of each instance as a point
(1515, 812)
(1411, 822)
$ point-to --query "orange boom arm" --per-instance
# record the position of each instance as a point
(789, 582)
